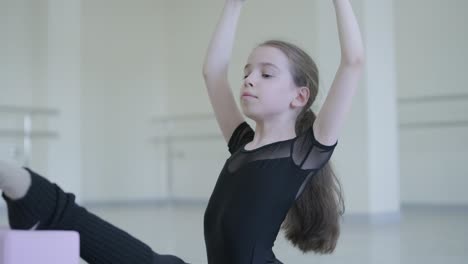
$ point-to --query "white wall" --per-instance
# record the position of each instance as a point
(367, 164)
(23, 72)
(20, 49)
(311, 25)
(41, 70)
(142, 59)
(352, 169)
(64, 93)
(124, 79)
(191, 25)
(380, 80)
(433, 100)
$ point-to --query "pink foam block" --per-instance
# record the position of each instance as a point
(39, 247)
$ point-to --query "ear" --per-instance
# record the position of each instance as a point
(302, 96)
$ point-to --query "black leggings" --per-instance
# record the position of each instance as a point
(48, 207)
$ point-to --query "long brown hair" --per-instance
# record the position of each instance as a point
(313, 222)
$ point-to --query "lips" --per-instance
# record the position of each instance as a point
(246, 94)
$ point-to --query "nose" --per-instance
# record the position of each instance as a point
(248, 82)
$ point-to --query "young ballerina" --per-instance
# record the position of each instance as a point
(277, 176)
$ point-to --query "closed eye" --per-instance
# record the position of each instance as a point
(266, 75)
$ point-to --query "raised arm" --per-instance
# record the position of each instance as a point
(215, 69)
(338, 101)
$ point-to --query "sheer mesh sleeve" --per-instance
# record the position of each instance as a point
(242, 135)
(309, 154)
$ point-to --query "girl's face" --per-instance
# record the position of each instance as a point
(268, 89)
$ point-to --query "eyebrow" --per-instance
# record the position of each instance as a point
(263, 64)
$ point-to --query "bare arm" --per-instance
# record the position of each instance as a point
(215, 69)
(338, 101)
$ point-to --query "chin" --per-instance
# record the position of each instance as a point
(250, 115)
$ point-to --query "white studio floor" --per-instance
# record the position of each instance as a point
(423, 235)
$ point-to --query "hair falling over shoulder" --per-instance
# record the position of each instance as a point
(313, 222)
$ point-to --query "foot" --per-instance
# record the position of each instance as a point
(14, 180)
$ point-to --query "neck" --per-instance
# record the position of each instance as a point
(270, 131)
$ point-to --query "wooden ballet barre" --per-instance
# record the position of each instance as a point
(35, 134)
(27, 133)
(434, 124)
(433, 98)
(182, 118)
(203, 137)
(20, 110)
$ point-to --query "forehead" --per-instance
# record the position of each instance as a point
(267, 54)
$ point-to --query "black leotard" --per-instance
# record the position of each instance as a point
(253, 194)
